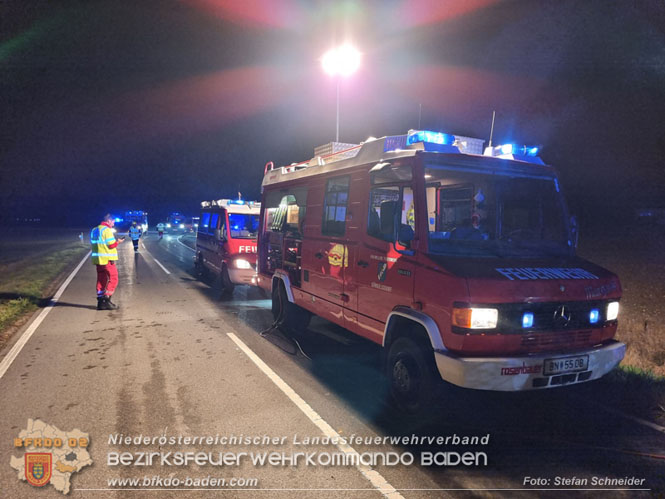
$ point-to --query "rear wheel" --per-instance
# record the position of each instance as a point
(288, 315)
(411, 373)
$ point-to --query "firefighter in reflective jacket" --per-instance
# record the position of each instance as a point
(104, 256)
(160, 229)
(135, 233)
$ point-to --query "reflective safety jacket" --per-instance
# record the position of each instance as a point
(160, 227)
(103, 244)
(134, 232)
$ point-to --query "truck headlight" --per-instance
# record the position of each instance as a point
(612, 311)
(242, 264)
(168, 226)
(475, 318)
(182, 226)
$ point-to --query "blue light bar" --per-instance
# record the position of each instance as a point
(515, 149)
(429, 137)
(527, 320)
(237, 201)
(594, 316)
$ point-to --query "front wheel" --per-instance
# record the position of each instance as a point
(226, 285)
(199, 268)
(411, 375)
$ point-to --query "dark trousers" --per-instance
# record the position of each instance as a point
(135, 242)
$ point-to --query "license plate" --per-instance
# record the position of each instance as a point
(565, 365)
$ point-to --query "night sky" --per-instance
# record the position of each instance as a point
(157, 105)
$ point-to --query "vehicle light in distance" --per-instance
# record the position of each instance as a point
(168, 226)
(475, 318)
(182, 226)
(612, 311)
(241, 263)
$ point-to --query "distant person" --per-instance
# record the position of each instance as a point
(135, 234)
(160, 229)
(104, 256)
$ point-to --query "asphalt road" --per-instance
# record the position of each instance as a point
(177, 360)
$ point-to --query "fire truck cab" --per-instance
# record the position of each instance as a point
(226, 241)
(140, 217)
(175, 223)
(460, 265)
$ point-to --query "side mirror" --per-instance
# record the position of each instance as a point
(575, 230)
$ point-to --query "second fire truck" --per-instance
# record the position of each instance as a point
(226, 241)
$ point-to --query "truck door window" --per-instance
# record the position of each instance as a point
(382, 205)
(385, 205)
(205, 223)
(214, 220)
(285, 210)
(334, 206)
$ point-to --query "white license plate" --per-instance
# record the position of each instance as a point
(565, 365)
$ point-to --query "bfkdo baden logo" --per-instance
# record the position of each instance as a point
(38, 468)
(51, 455)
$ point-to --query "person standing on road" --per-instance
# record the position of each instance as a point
(160, 229)
(104, 256)
(135, 233)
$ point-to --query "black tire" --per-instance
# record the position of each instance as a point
(225, 284)
(199, 268)
(411, 374)
(288, 316)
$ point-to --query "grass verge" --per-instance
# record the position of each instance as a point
(24, 287)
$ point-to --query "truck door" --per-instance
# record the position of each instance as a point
(385, 276)
(221, 238)
(204, 241)
(325, 255)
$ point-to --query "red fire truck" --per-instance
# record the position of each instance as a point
(226, 241)
(460, 265)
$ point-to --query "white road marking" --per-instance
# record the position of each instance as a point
(374, 477)
(18, 346)
(183, 244)
(635, 419)
(162, 266)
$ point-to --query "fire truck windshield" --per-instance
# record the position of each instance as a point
(483, 214)
(243, 226)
